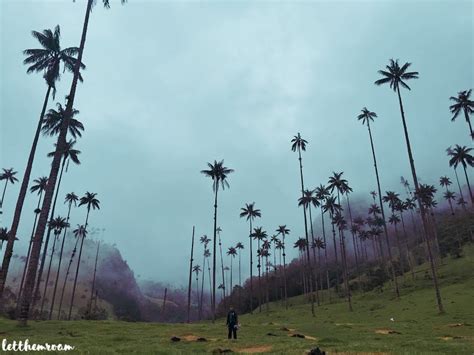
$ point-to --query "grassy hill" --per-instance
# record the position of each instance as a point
(416, 326)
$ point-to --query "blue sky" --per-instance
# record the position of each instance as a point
(172, 85)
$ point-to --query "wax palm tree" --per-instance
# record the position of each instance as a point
(366, 116)
(301, 245)
(69, 153)
(341, 224)
(463, 103)
(259, 234)
(322, 192)
(332, 207)
(239, 247)
(71, 199)
(265, 254)
(299, 145)
(39, 185)
(49, 60)
(9, 176)
(232, 252)
(91, 202)
(55, 166)
(283, 231)
(54, 119)
(204, 240)
(395, 76)
(197, 270)
(374, 195)
(57, 224)
(401, 207)
(191, 259)
(450, 197)
(250, 212)
(462, 155)
(219, 230)
(461, 201)
(218, 173)
(394, 220)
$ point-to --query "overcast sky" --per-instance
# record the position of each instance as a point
(172, 85)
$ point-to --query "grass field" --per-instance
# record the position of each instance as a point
(416, 328)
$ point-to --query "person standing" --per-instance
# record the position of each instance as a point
(232, 323)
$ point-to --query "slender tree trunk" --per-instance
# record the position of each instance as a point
(21, 198)
(190, 276)
(78, 265)
(202, 287)
(3, 194)
(468, 185)
(163, 307)
(469, 123)
(344, 268)
(353, 237)
(55, 238)
(65, 277)
(259, 277)
(45, 250)
(214, 256)
(422, 209)
(251, 267)
(335, 253)
(28, 253)
(197, 288)
(405, 235)
(400, 254)
(284, 274)
(459, 186)
(43, 219)
(59, 264)
(394, 278)
(93, 278)
(240, 282)
(230, 290)
(222, 267)
(325, 255)
(313, 273)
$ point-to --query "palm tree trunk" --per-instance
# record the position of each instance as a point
(45, 250)
(459, 186)
(469, 123)
(202, 288)
(78, 265)
(259, 277)
(28, 253)
(43, 219)
(240, 282)
(3, 194)
(400, 254)
(422, 209)
(394, 278)
(314, 274)
(55, 237)
(93, 278)
(230, 290)
(344, 268)
(468, 185)
(353, 237)
(267, 283)
(335, 253)
(222, 267)
(310, 271)
(190, 276)
(405, 235)
(284, 274)
(251, 267)
(325, 254)
(59, 264)
(65, 278)
(21, 198)
(214, 256)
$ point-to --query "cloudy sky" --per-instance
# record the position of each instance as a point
(171, 85)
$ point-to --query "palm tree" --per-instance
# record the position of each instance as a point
(366, 116)
(58, 224)
(461, 155)
(299, 144)
(232, 252)
(331, 206)
(218, 173)
(191, 259)
(265, 253)
(283, 231)
(9, 176)
(401, 207)
(69, 153)
(342, 225)
(54, 119)
(463, 103)
(251, 213)
(394, 220)
(445, 181)
(3, 236)
(239, 247)
(259, 234)
(301, 245)
(219, 230)
(204, 240)
(395, 76)
(197, 269)
(61, 142)
(71, 199)
(46, 60)
(91, 202)
(322, 192)
(39, 186)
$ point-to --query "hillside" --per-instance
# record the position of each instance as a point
(416, 326)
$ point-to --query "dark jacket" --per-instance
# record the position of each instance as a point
(232, 319)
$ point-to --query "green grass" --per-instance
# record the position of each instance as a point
(418, 327)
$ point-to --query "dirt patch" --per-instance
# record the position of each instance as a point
(256, 349)
(287, 329)
(386, 331)
(455, 325)
(449, 337)
(190, 337)
(301, 336)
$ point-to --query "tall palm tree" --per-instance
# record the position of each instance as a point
(366, 116)
(69, 153)
(218, 173)
(39, 185)
(250, 212)
(58, 224)
(259, 234)
(265, 253)
(342, 225)
(394, 220)
(197, 269)
(232, 252)
(204, 240)
(219, 230)
(463, 103)
(49, 60)
(9, 176)
(299, 145)
(283, 231)
(322, 192)
(48, 196)
(239, 247)
(93, 280)
(395, 76)
(401, 207)
(71, 199)
(301, 245)
(332, 207)
(91, 202)
(462, 155)
(449, 196)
